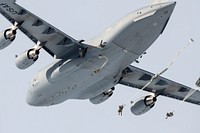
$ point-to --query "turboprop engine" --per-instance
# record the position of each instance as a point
(27, 58)
(143, 105)
(7, 37)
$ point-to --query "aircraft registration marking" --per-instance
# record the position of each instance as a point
(8, 8)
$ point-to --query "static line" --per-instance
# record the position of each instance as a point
(164, 70)
(190, 93)
(169, 66)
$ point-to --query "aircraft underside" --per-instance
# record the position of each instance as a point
(94, 76)
(91, 69)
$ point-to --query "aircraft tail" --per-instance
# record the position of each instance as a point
(158, 1)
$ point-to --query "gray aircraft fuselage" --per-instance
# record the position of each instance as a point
(101, 68)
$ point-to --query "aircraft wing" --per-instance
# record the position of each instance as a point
(138, 78)
(54, 41)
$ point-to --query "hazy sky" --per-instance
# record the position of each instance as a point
(84, 20)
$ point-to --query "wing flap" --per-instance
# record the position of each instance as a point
(55, 42)
(138, 78)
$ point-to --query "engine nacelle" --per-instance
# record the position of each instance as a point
(143, 105)
(27, 58)
(7, 37)
(102, 97)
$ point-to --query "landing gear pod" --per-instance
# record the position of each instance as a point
(102, 97)
(27, 58)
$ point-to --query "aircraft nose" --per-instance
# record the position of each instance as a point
(35, 95)
(30, 100)
(33, 99)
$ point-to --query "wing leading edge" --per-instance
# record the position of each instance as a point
(54, 41)
(138, 78)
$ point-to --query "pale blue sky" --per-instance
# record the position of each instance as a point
(84, 20)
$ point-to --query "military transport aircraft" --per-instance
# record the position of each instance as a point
(91, 69)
